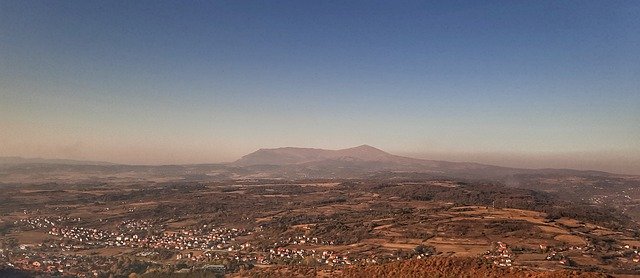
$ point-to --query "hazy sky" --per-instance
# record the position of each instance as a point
(208, 81)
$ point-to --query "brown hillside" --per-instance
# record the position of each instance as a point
(455, 267)
(440, 267)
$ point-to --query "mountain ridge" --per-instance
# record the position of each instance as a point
(277, 163)
(368, 159)
(294, 155)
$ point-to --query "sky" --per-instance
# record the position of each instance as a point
(516, 83)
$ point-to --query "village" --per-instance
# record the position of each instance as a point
(157, 246)
(76, 250)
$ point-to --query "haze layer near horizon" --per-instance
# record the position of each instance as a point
(162, 82)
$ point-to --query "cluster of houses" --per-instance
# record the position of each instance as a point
(302, 239)
(60, 265)
(42, 222)
(624, 254)
(283, 255)
(271, 256)
(559, 257)
(286, 256)
(186, 239)
(134, 226)
(500, 254)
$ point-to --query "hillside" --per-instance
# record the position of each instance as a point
(432, 267)
(456, 267)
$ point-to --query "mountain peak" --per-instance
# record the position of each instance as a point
(366, 148)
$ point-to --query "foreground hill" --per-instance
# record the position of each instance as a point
(432, 267)
(456, 267)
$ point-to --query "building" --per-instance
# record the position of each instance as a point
(216, 268)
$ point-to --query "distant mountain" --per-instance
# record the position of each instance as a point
(15, 160)
(363, 160)
(280, 163)
(289, 156)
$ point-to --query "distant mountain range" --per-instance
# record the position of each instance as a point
(368, 159)
(15, 160)
(278, 163)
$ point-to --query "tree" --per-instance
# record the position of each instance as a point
(424, 249)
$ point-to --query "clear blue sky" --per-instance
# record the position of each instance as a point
(196, 81)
